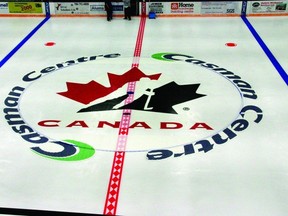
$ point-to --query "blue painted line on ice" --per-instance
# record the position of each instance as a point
(9, 55)
(269, 54)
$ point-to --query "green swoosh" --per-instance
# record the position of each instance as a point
(159, 56)
(85, 151)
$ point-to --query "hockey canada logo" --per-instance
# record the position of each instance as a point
(161, 99)
(193, 104)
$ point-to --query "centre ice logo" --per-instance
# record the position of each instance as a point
(77, 122)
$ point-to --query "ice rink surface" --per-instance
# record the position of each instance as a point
(218, 148)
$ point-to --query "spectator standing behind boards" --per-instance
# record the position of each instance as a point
(109, 9)
(127, 9)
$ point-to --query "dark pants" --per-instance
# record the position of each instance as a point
(127, 13)
(109, 14)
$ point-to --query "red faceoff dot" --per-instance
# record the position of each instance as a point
(231, 44)
(50, 44)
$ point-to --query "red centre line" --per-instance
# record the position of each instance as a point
(112, 195)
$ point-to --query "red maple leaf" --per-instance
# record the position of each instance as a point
(86, 93)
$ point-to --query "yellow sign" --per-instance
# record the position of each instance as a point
(25, 7)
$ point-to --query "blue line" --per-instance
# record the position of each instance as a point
(269, 54)
(7, 57)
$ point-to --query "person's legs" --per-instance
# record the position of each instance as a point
(125, 13)
(129, 13)
(110, 14)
